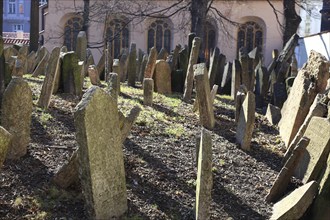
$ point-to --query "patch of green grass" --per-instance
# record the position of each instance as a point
(18, 202)
(192, 183)
(222, 162)
(176, 130)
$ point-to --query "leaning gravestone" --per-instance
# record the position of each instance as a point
(204, 181)
(225, 87)
(16, 115)
(206, 113)
(188, 85)
(311, 79)
(294, 205)
(273, 114)
(150, 66)
(100, 155)
(162, 77)
(213, 70)
(71, 74)
(48, 84)
(41, 65)
(5, 140)
(246, 120)
(316, 152)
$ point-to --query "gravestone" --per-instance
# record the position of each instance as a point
(191, 37)
(174, 58)
(220, 70)
(41, 62)
(81, 46)
(294, 205)
(148, 89)
(143, 67)
(204, 181)
(310, 80)
(9, 52)
(284, 176)
(131, 68)
(114, 85)
(100, 155)
(246, 120)
(213, 69)
(214, 92)
(280, 94)
(48, 84)
(150, 67)
(126, 123)
(183, 60)
(247, 73)
(30, 60)
(90, 60)
(206, 114)
(321, 206)
(262, 79)
(177, 80)
(5, 141)
(318, 109)
(225, 87)
(2, 68)
(93, 75)
(163, 54)
(188, 85)
(58, 74)
(16, 116)
(71, 74)
(235, 78)
(116, 67)
(139, 59)
(240, 97)
(316, 152)
(273, 114)
(162, 77)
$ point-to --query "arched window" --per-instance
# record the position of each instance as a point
(250, 36)
(71, 30)
(117, 36)
(159, 35)
(210, 39)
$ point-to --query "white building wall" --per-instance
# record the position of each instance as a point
(311, 18)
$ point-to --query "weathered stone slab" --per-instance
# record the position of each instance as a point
(188, 85)
(204, 181)
(240, 97)
(94, 75)
(183, 60)
(30, 60)
(206, 114)
(16, 116)
(279, 94)
(162, 77)
(321, 206)
(310, 80)
(139, 59)
(235, 78)
(150, 67)
(42, 64)
(220, 70)
(261, 86)
(246, 120)
(273, 114)
(316, 152)
(294, 205)
(71, 74)
(225, 87)
(100, 155)
(9, 52)
(213, 69)
(317, 109)
(214, 92)
(177, 80)
(81, 46)
(163, 54)
(48, 84)
(247, 71)
(126, 123)
(143, 67)
(2, 68)
(114, 85)
(148, 90)
(131, 68)
(284, 177)
(174, 58)
(58, 74)
(5, 141)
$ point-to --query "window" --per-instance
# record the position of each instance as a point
(18, 27)
(42, 2)
(250, 35)
(159, 35)
(21, 8)
(12, 7)
(210, 37)
(117, 36)
(71, 30)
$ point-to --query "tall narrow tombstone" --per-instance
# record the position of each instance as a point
(183, 60)
(206, 114)
(90, 61)
(150, 67)
(214, 60)
(310, 80)
(48, 84)
(143, 67)
(240, 97)
(191, 37)
(316, 152)
(114, 85)
(220, 70)
(100, 155)
(273, 114)
(30, 60)
(2, 68)
(116, 67)
(204, 181)
(177, 80)
(225, 87)
(9, 52)
(162, 77)
(246, 120)
(148, 90)
(163, 54)
(139, 61)
(188, 85)
(16, 116)
(5, 141)
(246, 71)
(131, 68)
(214, 92)
(235, 78)
(94, 75)
(58, 74)
(173, 60)
(262, 79)
(41, 66)
(123, 61)
(81, 46)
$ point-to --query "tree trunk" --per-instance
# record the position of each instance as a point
(85, 16)
(1, 16)
(292, 20)
(34, 28)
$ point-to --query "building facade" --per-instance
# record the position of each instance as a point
(258, 27)
(16, 15)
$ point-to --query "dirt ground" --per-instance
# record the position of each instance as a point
(160, 162)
